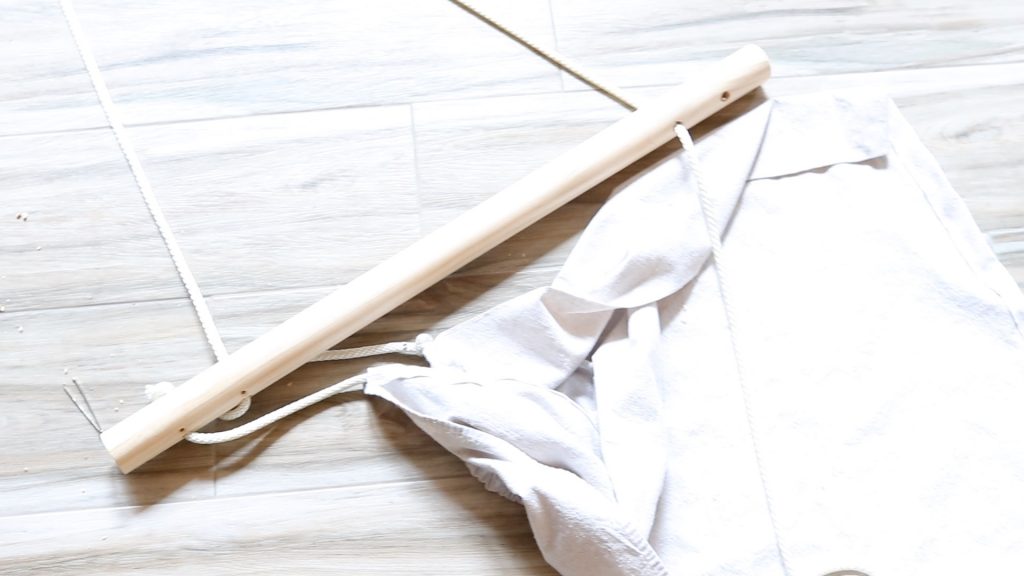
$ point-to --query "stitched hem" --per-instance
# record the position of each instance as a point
(952, 214)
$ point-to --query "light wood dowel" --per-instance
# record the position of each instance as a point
(196, 403)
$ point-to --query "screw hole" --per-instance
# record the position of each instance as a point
(181, 429)
(726, 96)
(243, 392)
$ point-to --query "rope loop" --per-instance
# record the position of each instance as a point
(414, 348)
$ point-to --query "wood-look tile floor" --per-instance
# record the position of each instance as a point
(292, 146)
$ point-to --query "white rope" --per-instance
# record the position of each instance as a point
(262, 422)
(407, 348)
(195, 295)
(603, 86)
(135, 165)
(714, 231)
(238, 411)
(415, 348)
(189, 281)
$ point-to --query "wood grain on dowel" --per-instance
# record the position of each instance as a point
(196, 403)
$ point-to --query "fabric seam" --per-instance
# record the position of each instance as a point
(974, 259)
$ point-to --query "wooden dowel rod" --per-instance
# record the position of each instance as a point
(196, 403)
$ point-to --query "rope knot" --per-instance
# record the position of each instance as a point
(422, 342)
(158, 390)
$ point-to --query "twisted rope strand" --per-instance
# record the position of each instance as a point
(603, 86)
(131, 157)
(714, 231)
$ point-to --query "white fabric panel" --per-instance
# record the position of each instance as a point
(877, 423)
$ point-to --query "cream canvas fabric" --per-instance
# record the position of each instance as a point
(871, 419)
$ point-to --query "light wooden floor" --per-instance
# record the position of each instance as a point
(293, 145)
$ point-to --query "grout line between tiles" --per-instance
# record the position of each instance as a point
(417, 180)
(541, 93)
(244, 293)
(254, 495)
(554, 40)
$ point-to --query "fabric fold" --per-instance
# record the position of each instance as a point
(534, 446)
(610, 403)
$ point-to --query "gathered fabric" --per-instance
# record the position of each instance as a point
(852, 405)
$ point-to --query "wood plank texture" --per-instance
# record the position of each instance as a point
(285, 200)
(293, 146)
(190, 59)
(51, 458)
(646, 42)
(43, 87)
(456, 527)
(86, 237)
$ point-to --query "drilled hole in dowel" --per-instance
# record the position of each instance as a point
(182, 430)
(726, 96)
